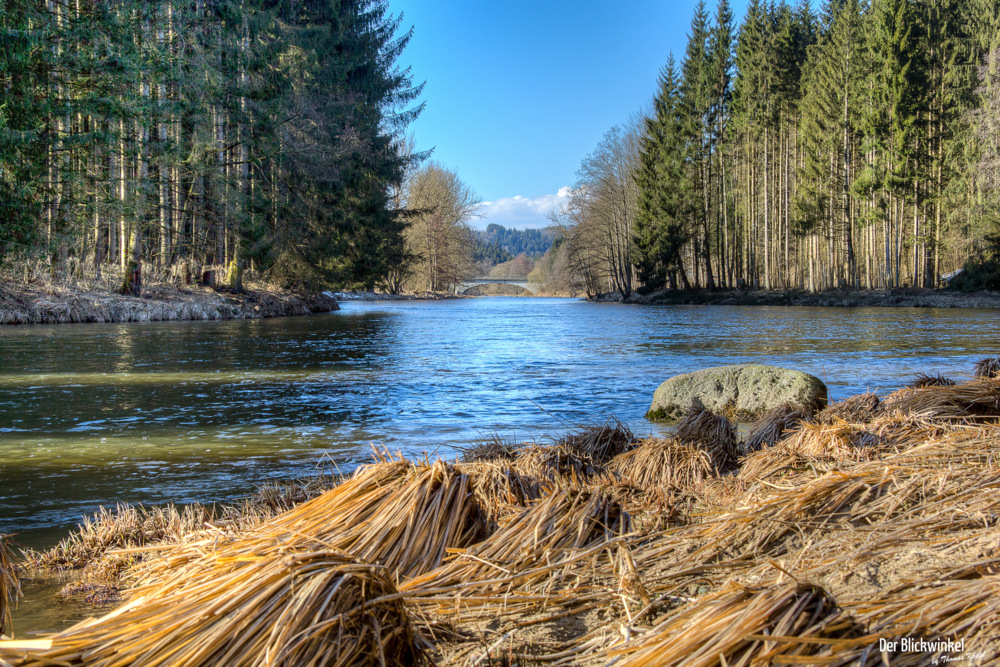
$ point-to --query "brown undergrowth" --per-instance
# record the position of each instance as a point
(830, 540)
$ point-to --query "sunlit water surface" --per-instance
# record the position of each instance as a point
(203, 411)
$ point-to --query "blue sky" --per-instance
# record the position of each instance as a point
(519, 92)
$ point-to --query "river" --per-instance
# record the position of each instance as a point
(203, 411)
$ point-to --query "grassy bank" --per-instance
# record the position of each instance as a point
(902, 297)
(36, 303)
(827, 538)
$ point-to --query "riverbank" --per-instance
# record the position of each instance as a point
(836, 539)
(901, 297)
(64, 305)
(383, 296)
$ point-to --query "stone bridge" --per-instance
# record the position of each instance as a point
(486, 280)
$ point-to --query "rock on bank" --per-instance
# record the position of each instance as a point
(57, 305)
(745, 391)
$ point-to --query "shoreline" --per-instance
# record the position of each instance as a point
(598, 546)
(898, 297)
(158, 303)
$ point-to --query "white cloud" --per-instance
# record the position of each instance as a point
(522, 212)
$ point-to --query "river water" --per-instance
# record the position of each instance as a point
(203, 411)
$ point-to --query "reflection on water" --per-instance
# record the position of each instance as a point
(185, 411)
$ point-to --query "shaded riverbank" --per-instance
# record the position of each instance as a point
(901, 297)
(65, 305)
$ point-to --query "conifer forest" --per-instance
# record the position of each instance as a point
(853, 143)
(847, 143)
(175, 134)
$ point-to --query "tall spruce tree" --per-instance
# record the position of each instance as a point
(661, 231)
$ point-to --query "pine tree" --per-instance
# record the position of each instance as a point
(696, 102)
(660, 231)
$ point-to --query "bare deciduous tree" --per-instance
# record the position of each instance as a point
(439, 236)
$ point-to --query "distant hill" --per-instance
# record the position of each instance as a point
(497, 244)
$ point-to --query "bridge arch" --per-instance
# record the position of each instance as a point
(486, 280)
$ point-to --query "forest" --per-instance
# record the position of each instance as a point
(850, 144)
(855, 145)
(166, 137)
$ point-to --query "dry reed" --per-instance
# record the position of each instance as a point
(276, 497)
(514, 566)
(924, 380)
(966, 609)
(402, 516)
(894, 513)
(776, 624)
(987, 368)
(660, 464)
(770, 428)
(835, 440)
(491, 447)
(856, 409)
(547, 463)
(307, 608)
(125, 527)
(978, 398)
(713, 433)
(599, 443)
(499, 489)
(10, 586)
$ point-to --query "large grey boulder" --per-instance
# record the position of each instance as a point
(744, 392)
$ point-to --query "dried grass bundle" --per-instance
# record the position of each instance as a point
(781, 463)
(777, 624)
(599, 443)
(10, 586)
(510, 565)
(492, 447)
(835, 440)
(125, 527)
(759, 525)
(660, 464)
(713, 433)
(402, 516)
(276, 497)
(978, 398)
(770, 428)
(556, 461)
(924, 380)
(987, 368)
(856, 409)
(309, 608)
(966, 609)
(499, 489)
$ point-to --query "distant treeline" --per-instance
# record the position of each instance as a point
(498, 244)
(855, 145)
(232, 133)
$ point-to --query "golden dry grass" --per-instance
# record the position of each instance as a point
(490, 448)
(775, 624)
(664, 463)
(987, 368)
(311, 607)
(713, 433)
(770, 428)
(600, 443)
(10, 586)
(856, 409)
(394, 513)
(125, 527)
(977, 398)
(513, 568)
(547, 463)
